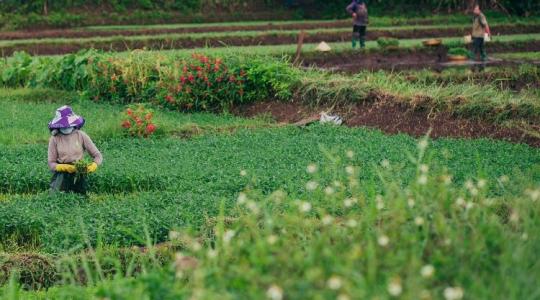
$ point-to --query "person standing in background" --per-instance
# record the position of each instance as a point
(359, 12)
(479, 30)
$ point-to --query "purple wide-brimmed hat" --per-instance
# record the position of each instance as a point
(66, 118)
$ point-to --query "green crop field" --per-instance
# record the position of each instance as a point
(221, 179)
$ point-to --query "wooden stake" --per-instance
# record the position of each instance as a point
(299, 46)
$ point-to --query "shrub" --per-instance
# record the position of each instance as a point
(201, 83)
(138, 121)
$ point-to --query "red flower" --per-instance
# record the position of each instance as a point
(126, 124)
(183, 79)
(191, 78)
(150, 128)
(129, 112)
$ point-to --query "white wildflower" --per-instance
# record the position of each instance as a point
(337, 183)
(469, 205)
(334, 283)
(304, 207)
(514, 217)
(447, 179)
(394, 288)
(410, 202)
(251, 205)
(242, 198)
(229, 234)
(422, 179)
(473, 191)
(349, 170)
(533, 194)
(350, 154)
(329, 190)
(504, 179)
(352, 223)
(274, 292)
(343, 297)
(212, 253)
(311, 168)
(419, 221)
(424, 168)
(272, 239)
(379, 202)
(460, 201)
(427, 271)
(196, 246)
(349, 202)
(423, 144)
(481, 183)
(174, 235)
(327, 220)
(243, 173)
(383, 240)
(453, 293)
(311, 185)
(469, 184)
(385, 163)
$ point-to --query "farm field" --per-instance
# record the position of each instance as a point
(221, 181)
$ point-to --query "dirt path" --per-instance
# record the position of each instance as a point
(52, 47)
(394, 119)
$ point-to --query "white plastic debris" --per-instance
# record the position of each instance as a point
(323, 47)
(326, 118)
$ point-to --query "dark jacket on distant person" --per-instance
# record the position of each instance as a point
(361, 18)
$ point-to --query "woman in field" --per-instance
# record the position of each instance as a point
(66, 147)
(358, 10)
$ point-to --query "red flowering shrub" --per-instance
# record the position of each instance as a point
(138, 121)
(202, 83)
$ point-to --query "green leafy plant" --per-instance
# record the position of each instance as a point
(459, 51)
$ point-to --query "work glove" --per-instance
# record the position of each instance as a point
(65, 168)
(91, 168)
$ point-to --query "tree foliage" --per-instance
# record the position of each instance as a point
(309, 7)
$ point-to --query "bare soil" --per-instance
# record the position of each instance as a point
(407, 59)
(51, 48)
(393, 119)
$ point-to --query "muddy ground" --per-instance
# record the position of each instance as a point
(71, 33)
(51, 48)
(393, 119)
(407, 59)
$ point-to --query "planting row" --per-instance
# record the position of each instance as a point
(206, 83)
(244, 38)
(524, 77)
(104, 119)
(180, 182)
(421, 237)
